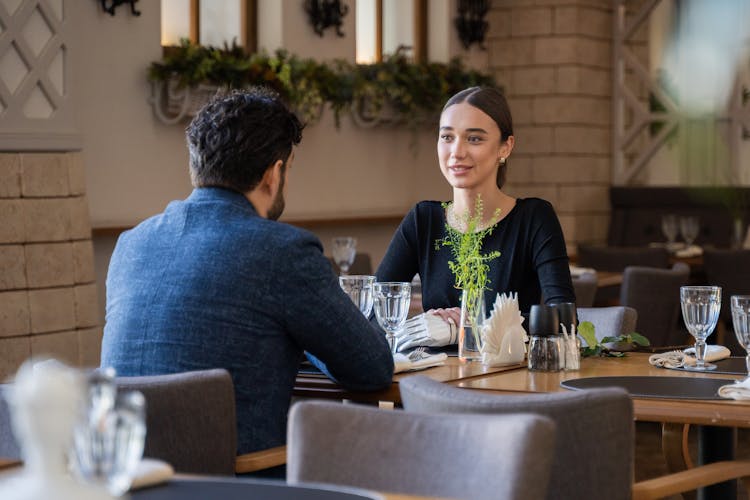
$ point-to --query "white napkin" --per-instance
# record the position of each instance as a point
(503, 337)
(418, 361)
(691, 251)
(426, 329)
(739, 390)
(678, 359)
(150, 472)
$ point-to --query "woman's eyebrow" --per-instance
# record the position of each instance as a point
(483, 131)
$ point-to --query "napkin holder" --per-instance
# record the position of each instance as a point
(503, 336)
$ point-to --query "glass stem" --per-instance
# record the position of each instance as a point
(747, 363)
(700, 352)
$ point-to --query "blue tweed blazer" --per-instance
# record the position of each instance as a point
(211, 284)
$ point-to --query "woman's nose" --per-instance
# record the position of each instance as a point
(457, 149)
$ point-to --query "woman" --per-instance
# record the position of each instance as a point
(474, 143)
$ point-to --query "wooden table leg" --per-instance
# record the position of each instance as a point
(674, 446)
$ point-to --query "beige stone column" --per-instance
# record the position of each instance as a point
(48, 299)
(553, 57)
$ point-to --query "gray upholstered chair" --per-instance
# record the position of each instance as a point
(610, 321)
(594, 450)
(8, 446)
(593, 455)
(655, 294)
(464, 456)
(585, 288)
(191, 423)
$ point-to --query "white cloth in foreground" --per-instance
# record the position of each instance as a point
(678, 359)
(503, 336)
(426, 329)
(417, 360)
(739, 390)
(150, 472)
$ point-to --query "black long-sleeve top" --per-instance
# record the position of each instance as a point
(533, 258)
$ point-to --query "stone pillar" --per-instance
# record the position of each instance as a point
(553, 57)
(48, 299)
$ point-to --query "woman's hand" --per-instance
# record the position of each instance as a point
(451, 315)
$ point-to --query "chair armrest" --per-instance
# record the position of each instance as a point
(259, 460)
(9, 463)
(704, 475)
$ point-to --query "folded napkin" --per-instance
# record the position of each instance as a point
(739, 390)
(417, 360)
(691, 251)
(503, 337)
(150, 472)
(426, 329)
(576, 271)
(678, 359)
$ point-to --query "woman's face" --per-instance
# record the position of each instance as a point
(469, 147)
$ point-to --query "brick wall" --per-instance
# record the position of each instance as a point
(554, 58)
(48, 299)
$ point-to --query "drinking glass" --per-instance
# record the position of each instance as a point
(689, 228)
(344, 249)
(700, 311)
(670, 228)
(108, 442)
(741, 323)
(391, 303)
(359, 289)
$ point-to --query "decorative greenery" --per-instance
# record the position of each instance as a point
(469, 266)
(595, 347)
(416, 92)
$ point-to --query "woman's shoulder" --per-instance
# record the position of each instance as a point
(534, 206)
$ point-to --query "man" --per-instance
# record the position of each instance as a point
(215, 281)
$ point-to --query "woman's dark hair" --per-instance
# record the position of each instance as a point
(492, 102)
(235, 138)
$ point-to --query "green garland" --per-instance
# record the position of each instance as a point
(416, 91)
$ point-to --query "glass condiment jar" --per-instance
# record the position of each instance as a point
(545, 346)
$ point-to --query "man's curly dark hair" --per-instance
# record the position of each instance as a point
(235, 138)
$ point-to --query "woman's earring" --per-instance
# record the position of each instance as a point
(501, 162)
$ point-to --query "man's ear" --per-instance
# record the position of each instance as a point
(272, 177)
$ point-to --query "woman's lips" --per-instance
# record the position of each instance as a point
(459, 169)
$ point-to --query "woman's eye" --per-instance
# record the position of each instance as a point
(474, 139)
(446, 138)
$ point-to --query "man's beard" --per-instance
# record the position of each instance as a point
(277, 207)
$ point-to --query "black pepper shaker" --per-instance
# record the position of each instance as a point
(545, 349)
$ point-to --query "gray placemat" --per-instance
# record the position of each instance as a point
(729, 366)
(655, 387)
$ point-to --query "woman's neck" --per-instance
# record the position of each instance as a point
(464, 202)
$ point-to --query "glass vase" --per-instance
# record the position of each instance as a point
(470, 328)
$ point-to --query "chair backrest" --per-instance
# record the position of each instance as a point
(616, 259)
(585, 288)
(8, 444)
(190, 419)
(593, 455)
(362, 264)
(610, 321)
(655, 294)
(464, 456)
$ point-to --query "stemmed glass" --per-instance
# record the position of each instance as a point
(391, 302)
(700, 311)
(689, 228)
(359, 289)
(344, 250)
(741, 323)
(670, 228)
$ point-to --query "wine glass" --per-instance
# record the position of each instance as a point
(670, 228)
(391, 303)
(344, 250)
(700, 311)
(359, 289)
(741, 323)
(689, 228)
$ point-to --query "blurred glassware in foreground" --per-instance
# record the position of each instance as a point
(359, 288)
(391, 302)
(108, 440)
(343, 251)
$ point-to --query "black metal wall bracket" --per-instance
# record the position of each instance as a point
(113, 4)
(325, 14)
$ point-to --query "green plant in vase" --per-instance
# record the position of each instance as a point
(470, 266)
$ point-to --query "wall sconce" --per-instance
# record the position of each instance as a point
(470, 22)
(326, 13)
(116, 3)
